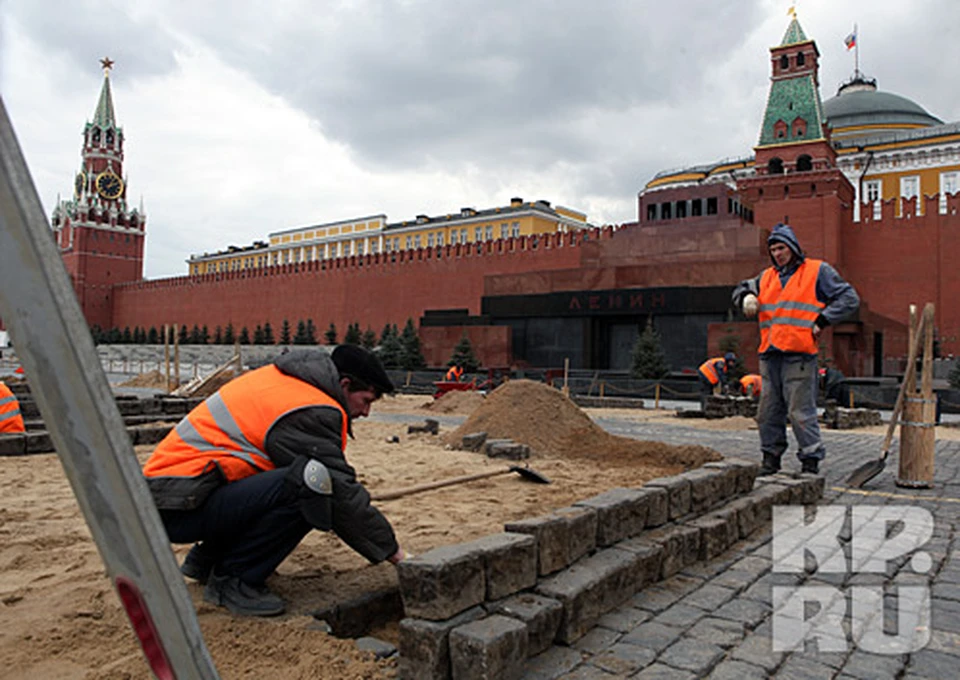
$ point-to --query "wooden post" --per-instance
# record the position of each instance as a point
(657, 396)
(603, 384)
(918, 437)
(176, 356)
(566, 372)
(166, 353)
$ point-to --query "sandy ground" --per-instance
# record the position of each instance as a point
(60, 619)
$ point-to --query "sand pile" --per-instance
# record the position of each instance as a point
(154, 379)
(554, 427)
(463, 402)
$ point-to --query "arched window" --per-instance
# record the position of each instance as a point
(775, 166)
(780, 129)
(804, 163)
(799, 127)
(96, 135)
(784, 62)
(800, 59)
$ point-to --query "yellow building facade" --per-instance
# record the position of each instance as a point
(372, 235)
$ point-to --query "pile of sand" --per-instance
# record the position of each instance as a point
(461, 402)
(553, 426)
(153, 379)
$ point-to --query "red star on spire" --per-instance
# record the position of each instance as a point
(106, 63)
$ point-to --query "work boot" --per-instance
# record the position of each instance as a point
(811, 465)
(242, 599)
(198, 563)
(771, 465)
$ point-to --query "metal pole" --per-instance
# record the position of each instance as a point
(38, 304)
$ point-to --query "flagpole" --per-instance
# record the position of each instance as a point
(856, 49)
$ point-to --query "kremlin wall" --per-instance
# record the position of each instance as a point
(584, 294)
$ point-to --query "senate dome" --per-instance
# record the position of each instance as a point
(860, 110)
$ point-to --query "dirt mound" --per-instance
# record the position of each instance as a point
(154, 379)
(463, 402)
(553, 426)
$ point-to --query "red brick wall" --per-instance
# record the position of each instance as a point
(491, 344)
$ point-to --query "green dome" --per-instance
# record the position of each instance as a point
(858, 103)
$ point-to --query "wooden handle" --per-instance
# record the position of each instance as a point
(908, 378)
(397, 493)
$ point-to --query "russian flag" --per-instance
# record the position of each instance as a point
(851, 40)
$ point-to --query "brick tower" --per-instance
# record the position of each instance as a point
(797, 180)
(100, 237)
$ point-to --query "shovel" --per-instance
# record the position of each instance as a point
(868, 471)
(524, 472)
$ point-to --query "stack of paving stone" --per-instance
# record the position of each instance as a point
(495, 448)
(722, 406)
(585, 401)
(141, 416)
(839, 418)
(480, 609)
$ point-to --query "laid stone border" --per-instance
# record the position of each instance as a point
(584, 401)
(39, 441)
(839, 418)
(480, 609)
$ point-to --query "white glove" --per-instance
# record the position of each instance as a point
(750, 305)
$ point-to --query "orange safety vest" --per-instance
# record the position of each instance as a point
(787, 315)
(752, 380)
(230, 428)
(454, 373)
(10, 418)
(709, 369)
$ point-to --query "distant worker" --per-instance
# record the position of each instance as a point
(833, 385)
(454, 373)
(795, 299)
(11, 420)
(751, 385)
(713, 375)
(250, 471)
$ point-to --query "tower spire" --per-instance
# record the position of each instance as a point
(103, 116)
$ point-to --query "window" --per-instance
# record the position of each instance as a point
(453, 237)
(949, 183)
(374, 248)
(504, 230)
(296, 255)
(799, 127)
(439, 238)
(712, 206)
(775, 166)
(651, 212)
(409, 242)
(333, 250)
(463, 236)
(780, 129)
(359, 247)
(488, 232)
(515, 230)
(430, 240)
(784, 62)
(416, 241)
(286, 256)
(801, 59)
(696, 207)
(346, 248)
(804, 163)
(681, 209)
(910, 189)
(477, 234)
(396, 243)
(665, 211)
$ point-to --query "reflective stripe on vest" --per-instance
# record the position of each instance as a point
(230, 428)
(787, 315)
(10, 418)
(709, 369)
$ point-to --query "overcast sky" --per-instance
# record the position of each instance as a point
(245, 117)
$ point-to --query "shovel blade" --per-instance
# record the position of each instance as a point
(530, 475)
(866, 472)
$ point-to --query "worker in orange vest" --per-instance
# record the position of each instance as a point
(250, 471)
(454, 373)
(713, 375)
(794, 300)
(751, 385)
(11, 420)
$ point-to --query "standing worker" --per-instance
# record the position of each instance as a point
(713, 375)
(795, 299)
(11, 420)
(250, 471)
(751, 385)
(454, 373)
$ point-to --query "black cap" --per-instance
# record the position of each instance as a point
(362, 365)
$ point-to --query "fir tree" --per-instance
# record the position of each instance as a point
(412, 358)
(268, 334)
(385, 333)
(352, 336)
(649, 360)
(330, 336)
(285, 332)
(114, 336)
(301, 336)
(258, 335)
(152, 336)
(391, 351)
(228, 336)
(218, 335)
(244, 336)
(138, 335)
(96, 333)
(463, 355)
(127, 336)
(369, 339)
(311, 333)
(204, 335)
(195, 335)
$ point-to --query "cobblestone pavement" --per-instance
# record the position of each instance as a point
(717, 620)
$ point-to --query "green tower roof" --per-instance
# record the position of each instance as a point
(103, 117)
(794, 34)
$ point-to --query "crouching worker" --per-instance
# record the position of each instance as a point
(250, 471)
(751, 385)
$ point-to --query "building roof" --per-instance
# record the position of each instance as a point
(103, 116)
(794, 34)
(860, 104)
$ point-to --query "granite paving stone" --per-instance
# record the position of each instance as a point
(551, 664)
(801, 667)
(623, 659)
(748, 612)
(680, 615)
(596, 640)
(721, 632)
(659, 671)
(933, 664)
(623, 619)
(692, 655)
(866, 666)
(708, 597)
(737, 670)
(652, 635)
